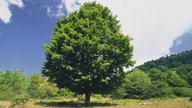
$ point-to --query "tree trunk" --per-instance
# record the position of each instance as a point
(87, 98)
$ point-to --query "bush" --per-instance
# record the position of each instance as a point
(120, 93)
(182, 92)
(20, 99)
(33, 85)
(97, 96)
(47, 89)
(6, 95)
(160, 89)
(190, 99)
(137, 85)
(80, 98)
(41, 87)
(64, 92)
(11, 84)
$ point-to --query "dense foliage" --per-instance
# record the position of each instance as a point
(168, 76)
(88, 52)
(180, 63)
(17, 88)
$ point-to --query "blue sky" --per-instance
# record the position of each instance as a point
(22, 39)
(158, 27)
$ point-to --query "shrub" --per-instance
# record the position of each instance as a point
(64, 92)
(11, 84)
(119, 93)
(47, 89)
(20, 99)
(137, 85)
(41, 87)
(80, 98)
(182, 92)
(174, 80)
(97, 96)
(6, 95)
(33, 85)
(160, 89)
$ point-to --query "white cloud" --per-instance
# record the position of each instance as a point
(57, 11)
(19, 3)
(153, 24)
(5, 12)
(64, 7)
(71, 5)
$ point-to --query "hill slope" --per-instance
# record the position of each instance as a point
(181, 63)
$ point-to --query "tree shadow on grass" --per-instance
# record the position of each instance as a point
(72, 104)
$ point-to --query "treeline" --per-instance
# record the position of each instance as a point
(18, 88)
(168, 76)
(154, 83)
(180, 63)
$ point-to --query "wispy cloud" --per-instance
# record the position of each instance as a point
(5, 12)
(57, 11)
(71, 5)
(64, 7)
(19, 3)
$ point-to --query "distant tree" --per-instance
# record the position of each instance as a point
(47, 89)
(12, 84)
(172, 61)
(189, 78)
(180, 63)
(156, 75)
(174, 80)
(137, 85)
(18, 82)
(182, 91)
(160, 89)
(39, 87)
(34, 81)
(88, 52)
(185, 71)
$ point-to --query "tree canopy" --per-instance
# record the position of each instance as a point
(180, 63)
(88, 51)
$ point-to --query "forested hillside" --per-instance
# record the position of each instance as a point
(168, 76)
(180, 63)
(172, 61)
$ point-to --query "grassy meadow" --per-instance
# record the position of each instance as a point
(104, 102)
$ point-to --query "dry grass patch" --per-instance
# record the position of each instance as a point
(108, 103)
(5, 104)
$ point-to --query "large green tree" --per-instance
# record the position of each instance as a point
(88, 51)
